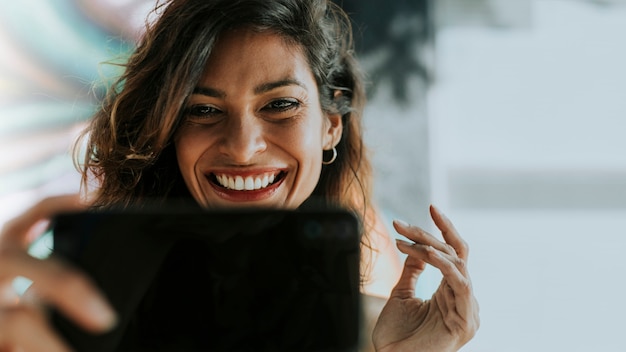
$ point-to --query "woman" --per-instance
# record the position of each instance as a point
(227, 104)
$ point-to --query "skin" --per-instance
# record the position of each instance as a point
(22, 322)
(254, 127)
(450, 318)
(255, 113)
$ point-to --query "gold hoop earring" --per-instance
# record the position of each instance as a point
(332, 160)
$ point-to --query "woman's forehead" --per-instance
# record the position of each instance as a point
(245, 55)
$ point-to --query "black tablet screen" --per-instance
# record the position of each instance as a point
(257, 280)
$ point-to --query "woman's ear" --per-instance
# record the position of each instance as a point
(332, 131)
(335, 126)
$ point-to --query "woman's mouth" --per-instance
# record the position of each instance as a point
(247, 182)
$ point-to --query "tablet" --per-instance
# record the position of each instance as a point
(197, 280)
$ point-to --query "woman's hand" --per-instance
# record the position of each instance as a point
(23, 324)
(450, 318)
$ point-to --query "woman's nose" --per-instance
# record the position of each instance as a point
(244, 138)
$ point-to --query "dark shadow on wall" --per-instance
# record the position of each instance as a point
(399, 32)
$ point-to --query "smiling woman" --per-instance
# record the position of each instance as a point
(254, 130)
(240, 103)
(281, 95)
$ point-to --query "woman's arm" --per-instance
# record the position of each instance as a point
(372, 306)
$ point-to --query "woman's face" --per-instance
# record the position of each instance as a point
(254, 130)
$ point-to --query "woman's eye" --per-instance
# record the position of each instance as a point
(202, 111)
(282, 105)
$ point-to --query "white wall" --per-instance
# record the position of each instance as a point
(529, 160)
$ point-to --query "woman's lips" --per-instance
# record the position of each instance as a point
(246, 187)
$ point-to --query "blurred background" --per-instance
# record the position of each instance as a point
(509, 115)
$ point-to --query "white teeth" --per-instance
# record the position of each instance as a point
(239, 183)
(250, 183)
(231, 183)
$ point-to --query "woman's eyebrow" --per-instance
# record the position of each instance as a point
(266, 87)
(260, 89)
(210, 92)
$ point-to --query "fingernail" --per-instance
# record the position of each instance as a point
(438, 211)
(403, 243)
(401, 223)
(102, 312)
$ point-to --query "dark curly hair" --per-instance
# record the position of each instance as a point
(129, 144)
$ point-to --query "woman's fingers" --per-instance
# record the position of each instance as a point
(455, 296)
(419, 235)
(65, 288)
(27, 328)
(449, 232)
(56, 283)
(452, 267)
(466, 304)
(17, 230)
(405, 288)
(454, 248)
(449, 257)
